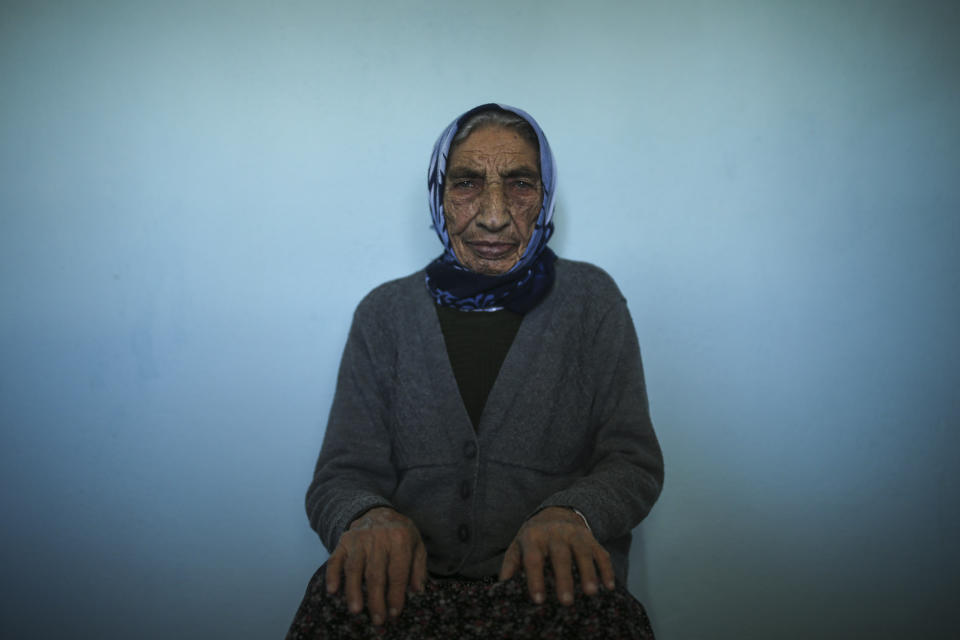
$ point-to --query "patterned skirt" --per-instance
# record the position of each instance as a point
(452, 609)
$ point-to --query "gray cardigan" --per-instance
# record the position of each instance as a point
(566, 424)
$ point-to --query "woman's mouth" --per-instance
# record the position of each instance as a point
(491, 250)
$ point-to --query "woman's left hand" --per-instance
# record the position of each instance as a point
(562, 536)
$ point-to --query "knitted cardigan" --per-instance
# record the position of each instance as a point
(566, 424)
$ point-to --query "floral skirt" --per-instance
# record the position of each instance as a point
(452, 609)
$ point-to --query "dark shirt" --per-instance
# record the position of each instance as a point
(477, 344)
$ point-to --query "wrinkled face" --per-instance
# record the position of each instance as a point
(491, 199)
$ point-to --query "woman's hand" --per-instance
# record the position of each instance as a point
(560, 534)
(382, 548)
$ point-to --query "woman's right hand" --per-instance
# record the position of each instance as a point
(382, 548)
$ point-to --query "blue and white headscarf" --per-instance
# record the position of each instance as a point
(528, 281)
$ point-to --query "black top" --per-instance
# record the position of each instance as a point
(477, 344)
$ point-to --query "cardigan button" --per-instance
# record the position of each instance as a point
(463, 533)
(469, 449)
(465, 489)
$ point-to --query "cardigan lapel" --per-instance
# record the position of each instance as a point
(439, 369)
(518, 367)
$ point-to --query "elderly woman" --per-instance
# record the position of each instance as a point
(489, 447)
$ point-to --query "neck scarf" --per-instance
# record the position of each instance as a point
(520, 289)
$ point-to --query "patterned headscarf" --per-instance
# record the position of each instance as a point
(528, 281)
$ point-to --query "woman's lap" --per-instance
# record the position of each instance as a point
(482, 608)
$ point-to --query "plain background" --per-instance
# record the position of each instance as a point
(194, 197)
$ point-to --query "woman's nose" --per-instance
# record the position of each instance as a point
(493, 214)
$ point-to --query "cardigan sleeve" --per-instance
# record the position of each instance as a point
(354, 471)
(624, 473)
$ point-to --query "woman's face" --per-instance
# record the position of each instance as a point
(491, 198)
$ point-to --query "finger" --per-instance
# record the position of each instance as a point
(376, 578)
(602, 557)
(562, 572)
(353, 580)
(511, 561)
(588, 573)
(334, 569)
(418, 574)
(398, 570)
(533, 566)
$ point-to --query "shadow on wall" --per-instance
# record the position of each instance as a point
(638, 574)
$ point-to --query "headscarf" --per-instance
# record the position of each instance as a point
(520, 289)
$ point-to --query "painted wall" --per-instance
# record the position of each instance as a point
(194, 198)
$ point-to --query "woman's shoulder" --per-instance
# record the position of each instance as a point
(586, 282)
(394, 296)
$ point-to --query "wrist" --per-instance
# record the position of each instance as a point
(567, 513)
(372, 513)
(582, 517)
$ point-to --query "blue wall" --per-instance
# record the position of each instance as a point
(193, 199)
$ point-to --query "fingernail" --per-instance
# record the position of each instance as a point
(377, 619)
(567, 598)
(393, 612)
(611, 585)
(538, 598)
(590, 588)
